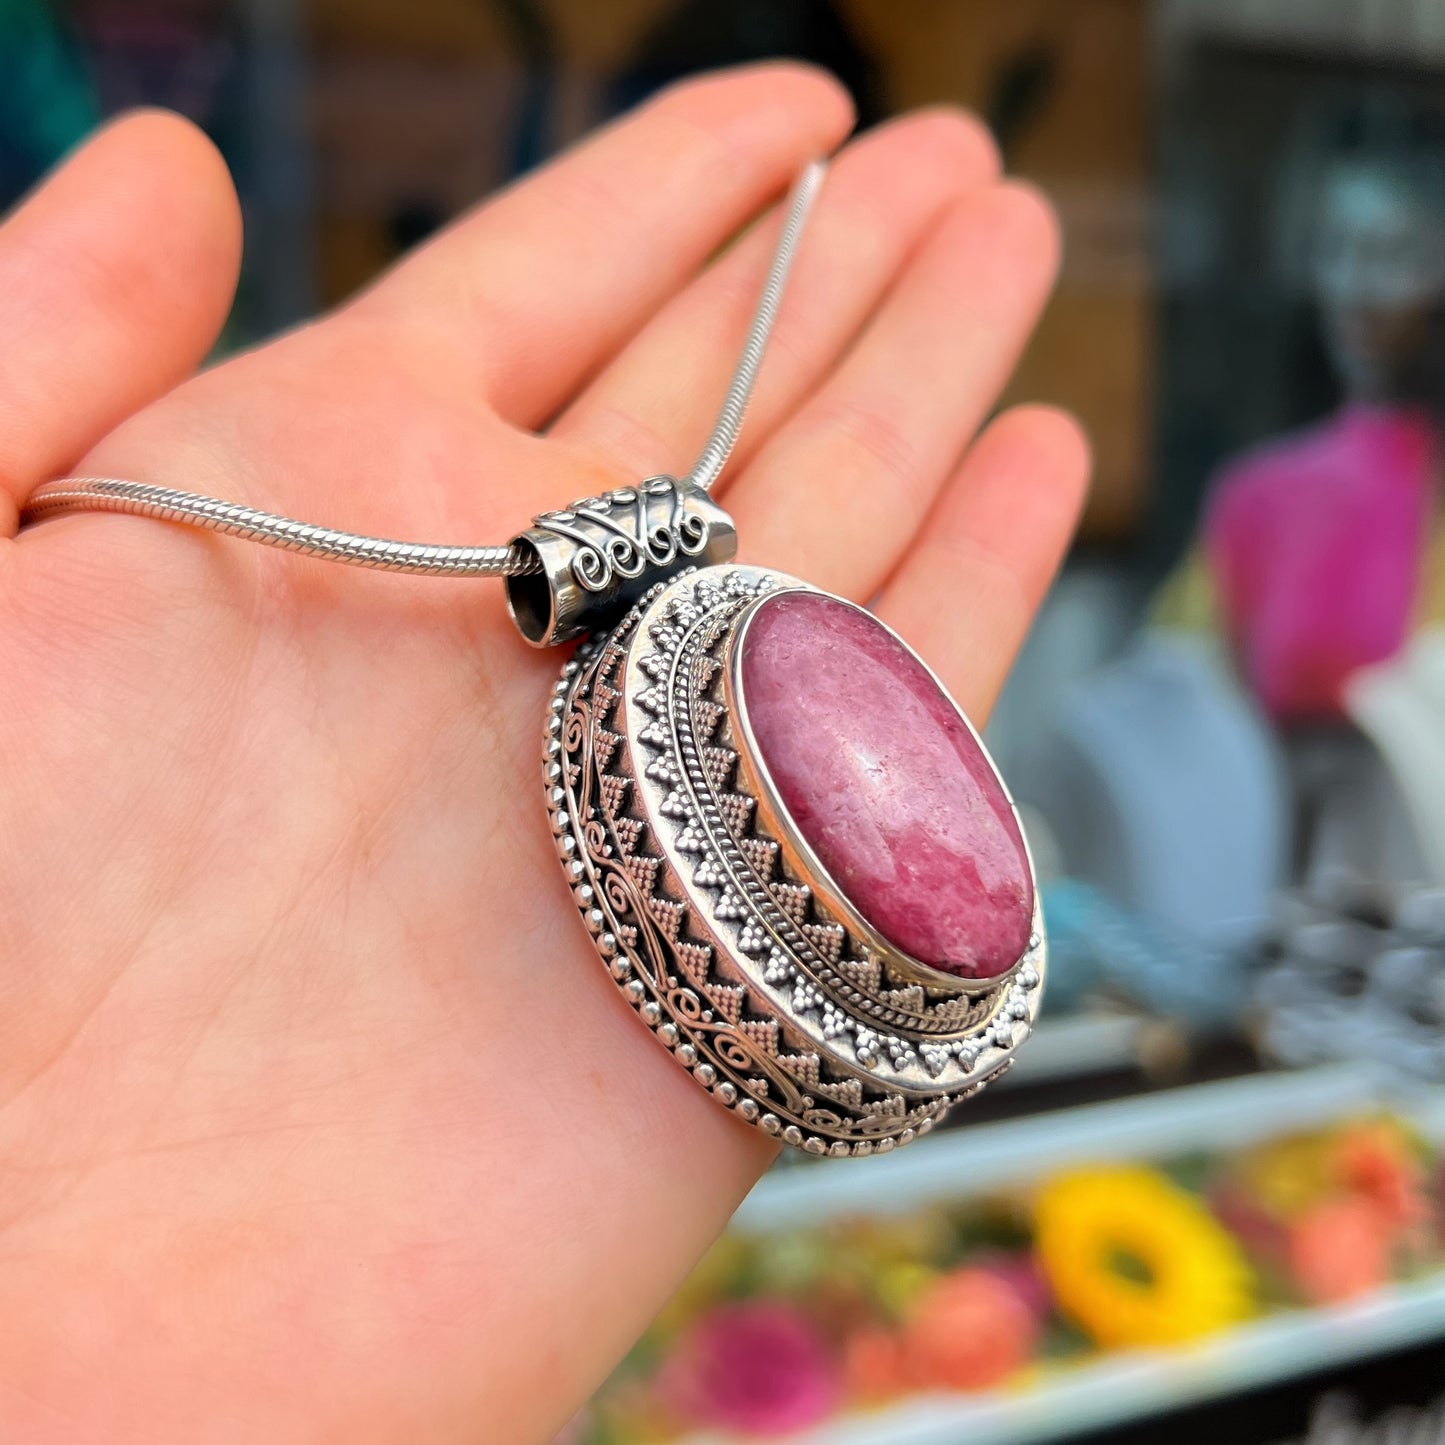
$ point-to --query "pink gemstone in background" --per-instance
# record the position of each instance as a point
(886, 783)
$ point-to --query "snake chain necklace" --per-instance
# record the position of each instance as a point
(791, 851)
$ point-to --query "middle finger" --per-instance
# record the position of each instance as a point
(651, 409)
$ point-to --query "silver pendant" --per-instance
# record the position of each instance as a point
(716, 919)
(712, 905)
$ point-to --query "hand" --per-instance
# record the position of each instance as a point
(318, 1120)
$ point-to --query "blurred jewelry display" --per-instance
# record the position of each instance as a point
(787, 843)
(1346, 979)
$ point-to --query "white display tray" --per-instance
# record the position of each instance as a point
(965, 1162)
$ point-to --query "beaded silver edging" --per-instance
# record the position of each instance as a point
(713, 920)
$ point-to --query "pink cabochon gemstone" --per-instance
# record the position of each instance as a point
(885, 782)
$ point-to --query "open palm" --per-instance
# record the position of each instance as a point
(317, 1119)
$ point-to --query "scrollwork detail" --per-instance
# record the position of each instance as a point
(615, 537)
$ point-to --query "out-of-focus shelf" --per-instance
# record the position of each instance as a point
(1084, 1043)
(1112, 1391)
(969, 1161)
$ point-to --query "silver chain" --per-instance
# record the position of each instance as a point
(113, 494)
(724, 436)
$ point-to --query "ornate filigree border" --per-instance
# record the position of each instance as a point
(706, 922)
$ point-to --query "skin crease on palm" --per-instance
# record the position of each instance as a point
(318, 1119)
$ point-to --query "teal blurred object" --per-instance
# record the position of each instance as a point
(1099, 946)
(46, 101)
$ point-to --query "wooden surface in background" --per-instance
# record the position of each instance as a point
(416, 105)
(1087, 145)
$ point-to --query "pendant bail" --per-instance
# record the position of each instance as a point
(596, 558)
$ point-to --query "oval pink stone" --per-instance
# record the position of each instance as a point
(886, 783)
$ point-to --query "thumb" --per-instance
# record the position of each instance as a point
(115, 279)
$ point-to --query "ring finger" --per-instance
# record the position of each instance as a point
(871, 449)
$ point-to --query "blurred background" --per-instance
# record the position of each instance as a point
(1208, 1202)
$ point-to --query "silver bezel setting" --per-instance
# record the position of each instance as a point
(716, 920)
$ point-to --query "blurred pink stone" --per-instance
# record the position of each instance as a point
(969, 1330)
(759, 1368)
(1025, 1276)
(884, 780)
(1339, 1249)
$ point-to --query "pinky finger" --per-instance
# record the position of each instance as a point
(968, 587)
